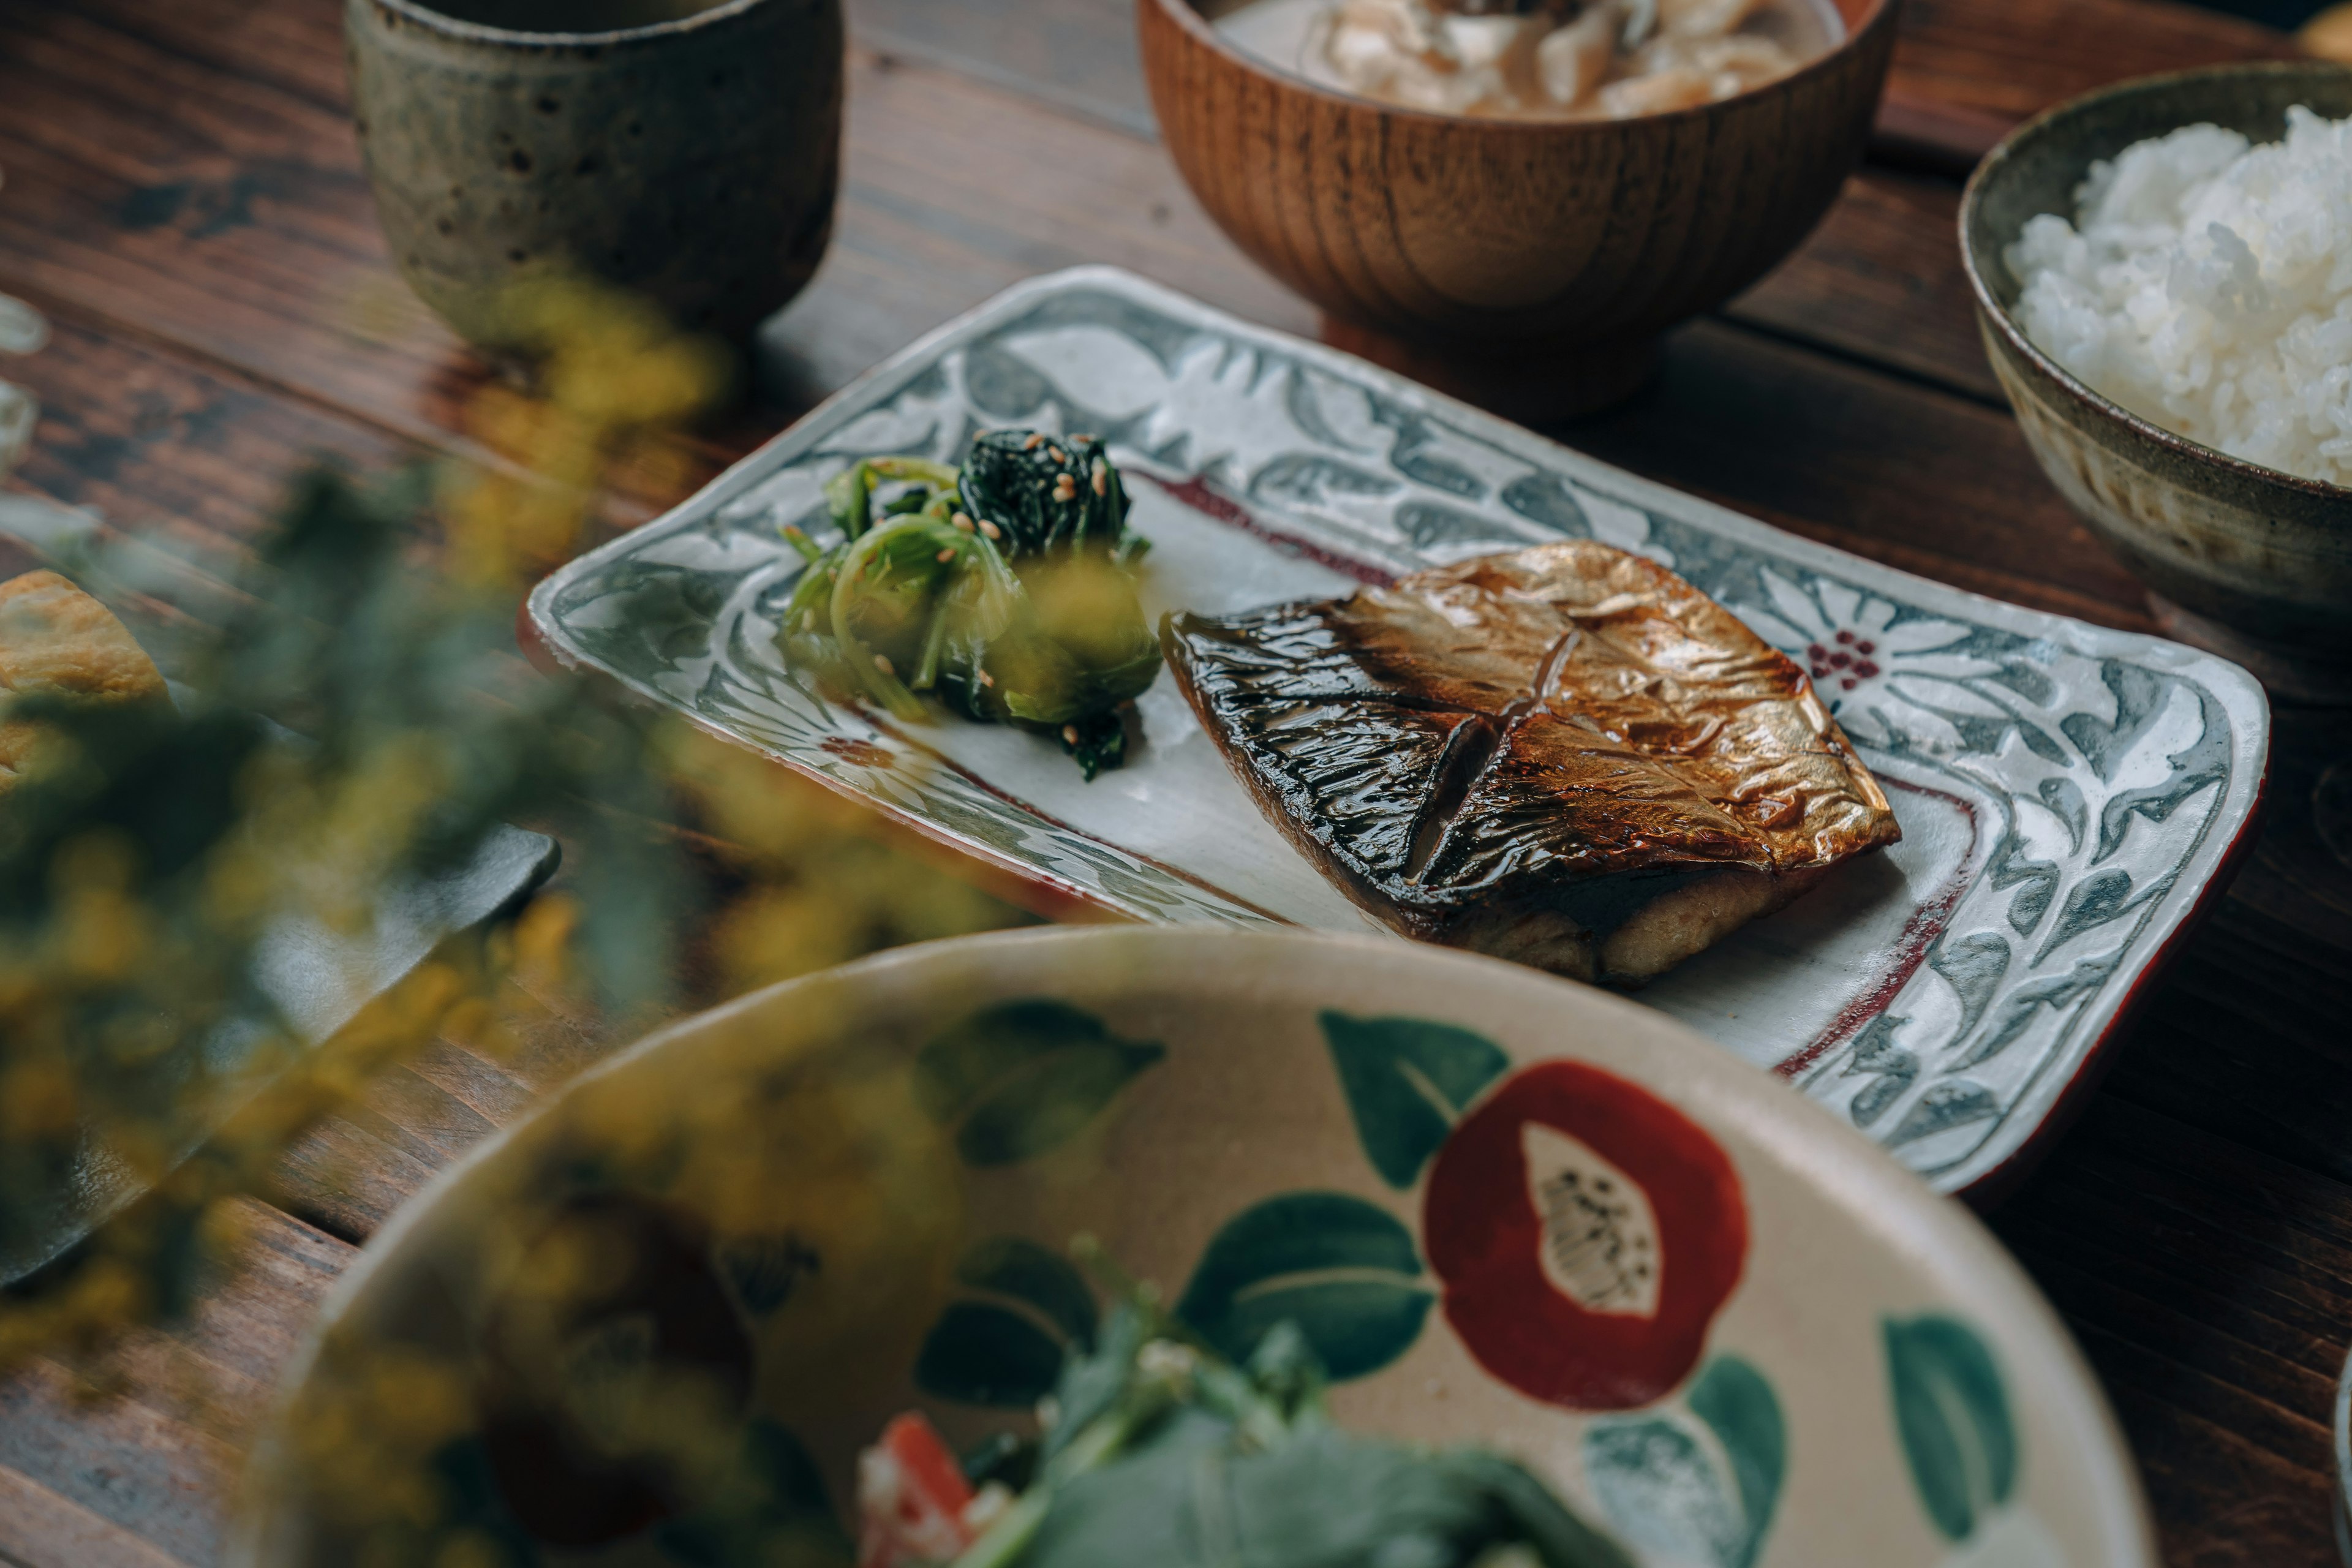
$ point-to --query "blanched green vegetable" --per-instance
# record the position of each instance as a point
(1048, 492)
(1004, 588)
(1161, 1455)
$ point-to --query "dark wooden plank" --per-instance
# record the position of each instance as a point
(2248, 1038)
(43, 1528)
(1077, 54)
(934, 220)
(150, 1472)
(2208, 1283)
(2197, 1246)
(254, 1323)
(2295, 879)
(345, 1177)
(2007, 59)
(216, 200)
(189, 457)
(2219, 1500)
(349, 1172)
(141, 1477)
(1880, 282)
(139, 446)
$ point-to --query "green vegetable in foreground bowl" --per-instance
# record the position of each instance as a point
(1157, 1453)
(1005, 588)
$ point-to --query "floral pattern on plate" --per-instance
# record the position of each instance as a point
(2068, 793)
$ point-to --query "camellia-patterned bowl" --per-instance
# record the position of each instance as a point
(1505, 1209)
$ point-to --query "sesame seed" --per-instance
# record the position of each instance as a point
(1066, 489)
(1033, 442)
(1057, 454)
(962, 520)
(1085, 438)
(947, 554)
(991, 529)
(986, 678)
(1070, 734)
(882, 663)
(1102, 478)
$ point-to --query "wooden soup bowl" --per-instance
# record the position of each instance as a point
(1529, 266)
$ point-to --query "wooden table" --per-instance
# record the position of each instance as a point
(184, 198)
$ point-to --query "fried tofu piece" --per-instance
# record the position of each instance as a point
(55, 637)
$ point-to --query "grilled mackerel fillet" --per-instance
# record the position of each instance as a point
(1567, 756)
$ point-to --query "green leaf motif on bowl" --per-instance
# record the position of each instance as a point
(1346, 1271)
(1951, 1411)
(1019, 1079)
(472, 1507)
(982, 1355)
(764, 1271)
(1408, 1080)
(1662, 1480)
(771, 1506)
(1008, 1352)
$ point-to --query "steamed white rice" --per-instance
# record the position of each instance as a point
(2206, 285)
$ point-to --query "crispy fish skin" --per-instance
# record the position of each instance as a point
(1565, 755)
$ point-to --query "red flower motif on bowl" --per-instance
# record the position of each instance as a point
(1587, 1233)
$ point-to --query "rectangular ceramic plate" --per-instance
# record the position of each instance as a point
(2066, 792)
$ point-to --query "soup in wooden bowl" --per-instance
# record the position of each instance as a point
(1515, 243)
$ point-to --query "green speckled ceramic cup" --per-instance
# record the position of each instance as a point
(686, 151)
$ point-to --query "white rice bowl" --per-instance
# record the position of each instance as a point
(2206, 285)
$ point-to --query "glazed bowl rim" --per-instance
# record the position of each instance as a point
(1817, 1151)
(1187, 17)
(2092, 403)
(457, 27)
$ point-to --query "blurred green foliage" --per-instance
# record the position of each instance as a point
(360, 720)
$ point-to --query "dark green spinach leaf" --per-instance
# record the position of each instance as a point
(1047, 492)
(1165, 1454)
(1005, 588)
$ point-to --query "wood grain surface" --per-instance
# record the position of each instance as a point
(182, 196)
